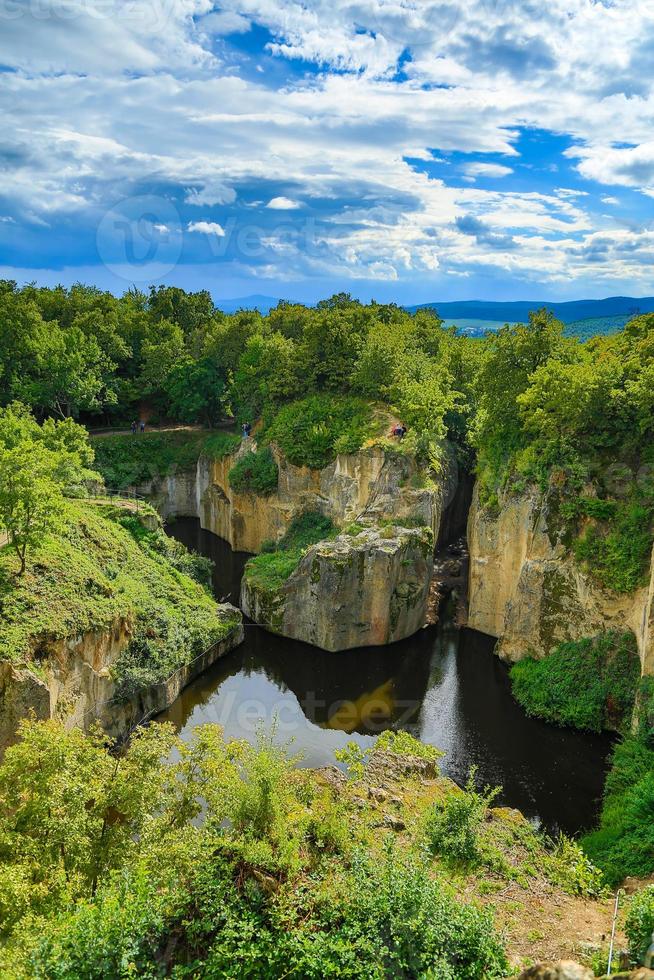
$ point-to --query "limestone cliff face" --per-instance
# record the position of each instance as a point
(71, 680)
(526, 588)
(363, 590)
(373, 483)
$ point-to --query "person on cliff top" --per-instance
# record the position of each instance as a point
(247, 429)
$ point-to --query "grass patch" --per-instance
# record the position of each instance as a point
(589, 684)
(313, 431)
(255, 472)
(103, 564)
(270, 570)
(126, 460)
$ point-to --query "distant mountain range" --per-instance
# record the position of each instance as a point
(512, 312)
(517, 311)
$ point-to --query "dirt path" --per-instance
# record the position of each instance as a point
(104, 433)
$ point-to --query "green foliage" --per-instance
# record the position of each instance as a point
(572, 870)
(587, 684)
(117, 879)
(639, 924)
(36, 464)
(255, 472)
(270, 569)
(312, 432)
(97, 569)
(401, 742)
(127, 460)
(619, 552)
(624, 842)
(453, 826)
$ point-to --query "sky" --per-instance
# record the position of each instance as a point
(406, 150)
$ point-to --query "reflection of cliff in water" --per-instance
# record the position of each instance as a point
(364, 690)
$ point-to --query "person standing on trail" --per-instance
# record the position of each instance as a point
(142, 426)
(246, 428)
(133, 427)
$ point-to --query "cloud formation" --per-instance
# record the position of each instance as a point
(426, 141)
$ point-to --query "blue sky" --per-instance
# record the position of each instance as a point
(403, 149)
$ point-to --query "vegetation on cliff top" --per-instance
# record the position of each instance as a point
(127, 460)
(270, 569)
(106, 871)
(588, 684)
(255, 472)
(101, 564)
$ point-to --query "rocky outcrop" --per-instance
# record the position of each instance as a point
(526, 588)
(358, 590)
(373, 484)
(71, 680)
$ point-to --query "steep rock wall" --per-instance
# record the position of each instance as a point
(354, 591)
(373, 484)
(527, 590)
(71, 680)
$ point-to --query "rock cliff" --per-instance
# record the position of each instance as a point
(71, 679)
(373, 484)
(526, 588)
(357, 590)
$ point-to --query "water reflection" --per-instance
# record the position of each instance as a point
(444, 685)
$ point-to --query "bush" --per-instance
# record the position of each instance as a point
(313, 431)
(639, 924)
(589, 684)
(453, 825)
(255, 472)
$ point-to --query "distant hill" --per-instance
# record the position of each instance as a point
(517, 311)
(262, 303)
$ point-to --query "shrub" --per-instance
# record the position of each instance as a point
(453, 825)
(402, 742)
(313, 431)
(571, 869)
(639, 924)
(255, 472)
(588, 684)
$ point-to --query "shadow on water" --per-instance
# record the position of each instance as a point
(444, 685)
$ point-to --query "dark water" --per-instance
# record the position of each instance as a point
(444, 685)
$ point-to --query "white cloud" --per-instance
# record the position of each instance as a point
(610, 200)
(487, 170)
(101, 105)
(282, 204)
(225, 22)
(206, 228)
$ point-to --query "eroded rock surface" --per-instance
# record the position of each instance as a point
(357, 590)
(526, 588)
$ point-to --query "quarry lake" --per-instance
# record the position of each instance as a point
(444, 685)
